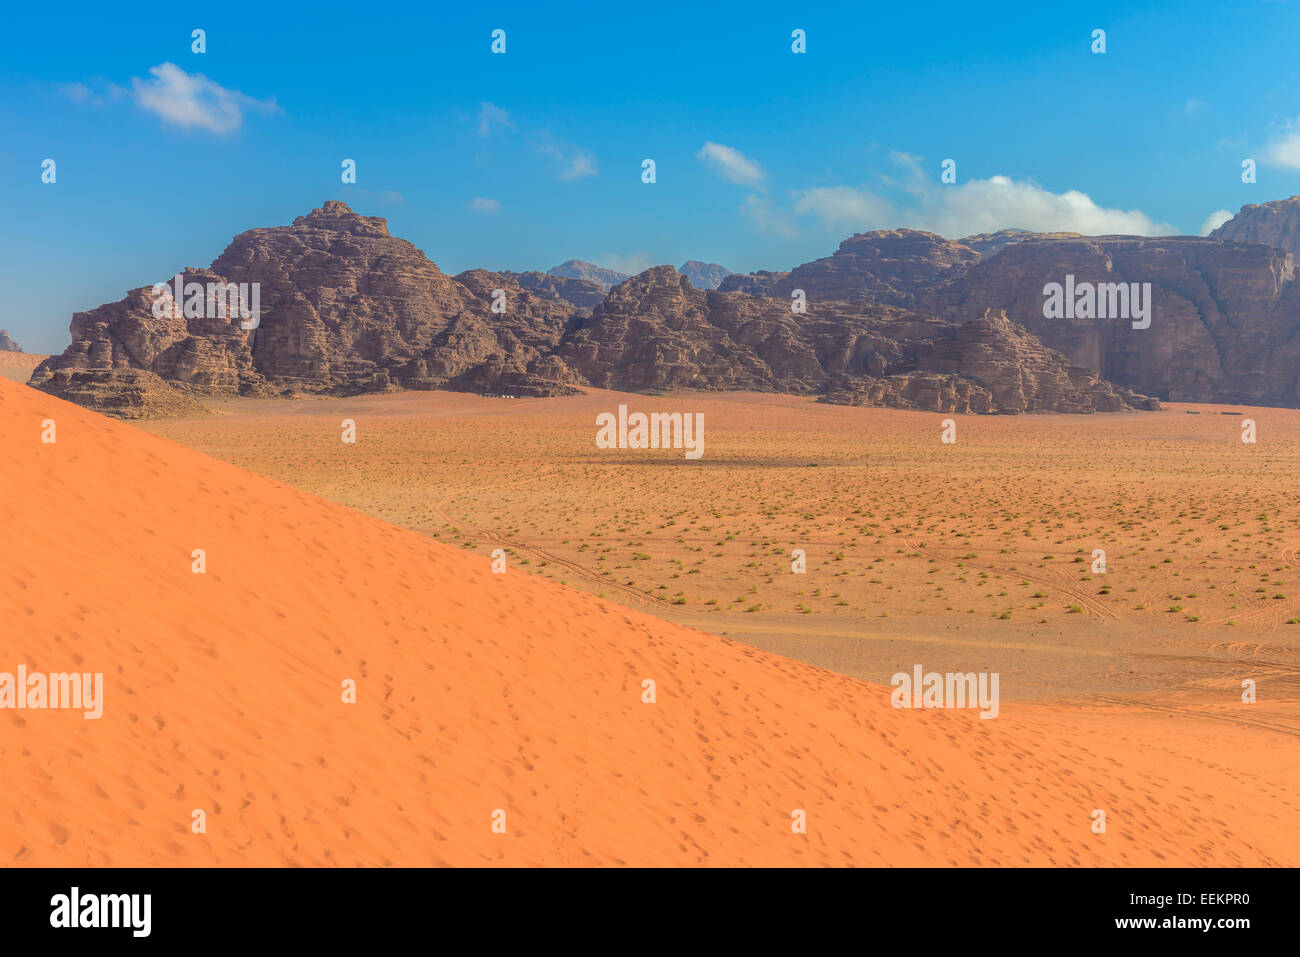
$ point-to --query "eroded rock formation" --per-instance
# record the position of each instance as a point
(347, 308)
(703, 275)
(1224, 322)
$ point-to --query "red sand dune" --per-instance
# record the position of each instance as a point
(479, 692)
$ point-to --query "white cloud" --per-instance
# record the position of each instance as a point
(910, 160)
(632, 265)
(571, 162)
(491, 117)
(1193, 106)
(987, 205)
(1214, 221)
(999, 202)
(954, 211)
(843, 207)
(481, 204)
(768, 218)
(1284, 150)
(77, 92)
(731, 164)
(94, 95)
(192, 100)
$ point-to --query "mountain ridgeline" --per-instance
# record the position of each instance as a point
(897, 318)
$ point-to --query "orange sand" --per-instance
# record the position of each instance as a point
(480, 692)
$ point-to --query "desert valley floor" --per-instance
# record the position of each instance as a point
(1120, 691)
(970, 556)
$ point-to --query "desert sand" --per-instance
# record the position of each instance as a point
(18, 366)
(976, 555)
(481, 692)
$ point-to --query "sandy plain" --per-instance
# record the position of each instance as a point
(481, 692)
(18, 366)
(974, 556)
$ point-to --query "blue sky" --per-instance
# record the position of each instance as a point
(765, 158)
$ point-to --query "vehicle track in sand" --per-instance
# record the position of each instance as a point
(1289, 725)
(1053, 578)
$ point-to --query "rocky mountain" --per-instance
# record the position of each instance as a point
(703, 275)
(1224, 322)
(579, 293)
(990, 244)
(7, 344)
(989, 364)
(342, 307)
(1275, 224)
(1225, 318)
(889, 267)
(590, 272)
(759, 283)
(658, 332)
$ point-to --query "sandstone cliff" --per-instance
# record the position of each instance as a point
(1225, 317)
(893, 267)
(889, 267)
(658, 332)
(1275, 224)
(990, 244)
(759, 283)
(7, 344)
(347, 308)
(579, 293)
(1225, 313)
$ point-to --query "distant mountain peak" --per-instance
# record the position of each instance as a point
(703, 275)
(581, 269)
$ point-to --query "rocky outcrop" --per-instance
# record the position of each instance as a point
(1226, 309)
(1225, 317)
(1275, 224)
(759, 283)
(124, 393)
(703, 275)
(1020, 373)
(657, 332)
(345, 308)
(590, 272)
(7, 344)
(990, 244)
(888, 267)
(195, 355)
(578, 293)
